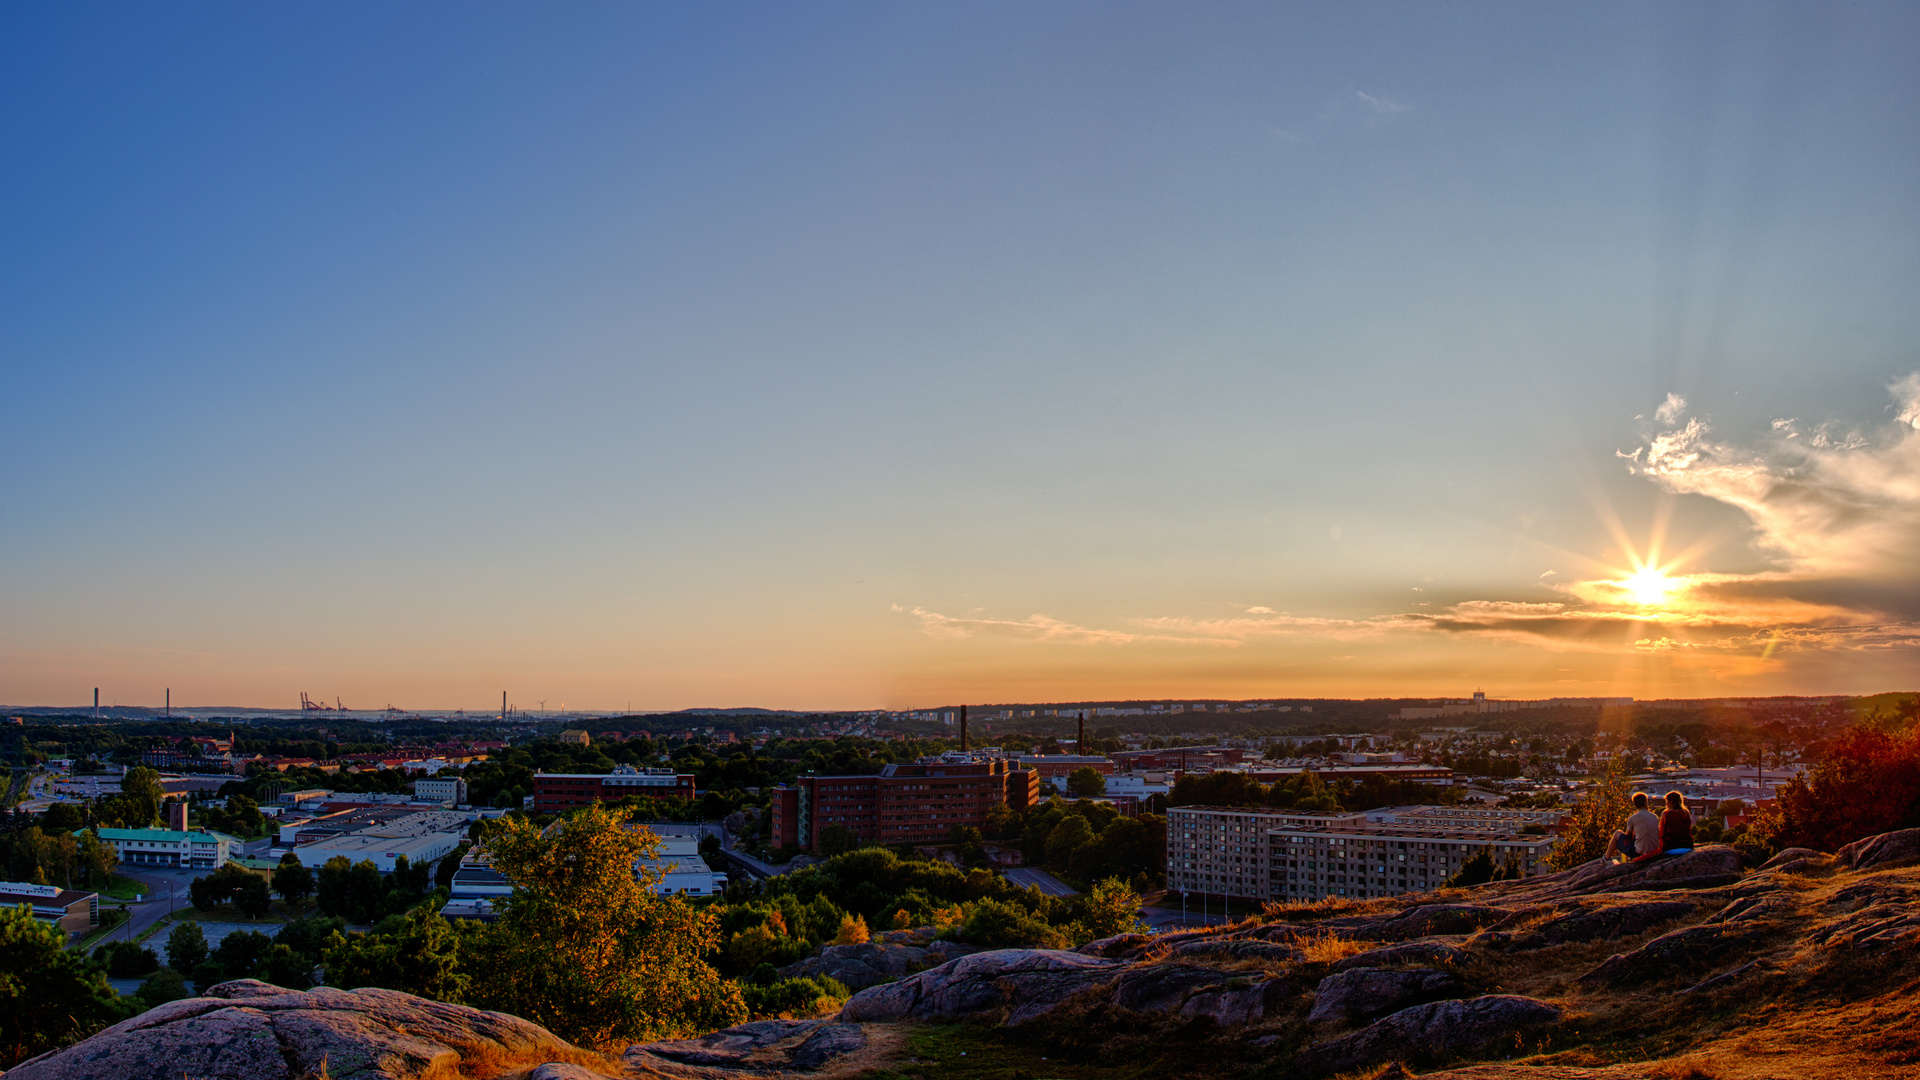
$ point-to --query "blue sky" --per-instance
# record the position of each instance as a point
(897, 354)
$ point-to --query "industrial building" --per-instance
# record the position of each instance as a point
(71, 910)
(451, 790)
(681, 869)
(1258, 853)
(420, 837)
(557, 793)
(918, 803)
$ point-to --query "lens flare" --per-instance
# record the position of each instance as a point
(1649, 587)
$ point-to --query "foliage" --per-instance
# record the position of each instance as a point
(1865, 782)
(292, 880)
(49, 996)
(231, 884)
(999, 925)
(242, 816)
(161, 987)
(853, 931)
(186, 947)
(837, 839)
(793, 999)
(1595, 818)
(357, 893)
(1086, 782)
(240, 953)
(127, 960)
(586, 950)
(422, 958)
(1110, 907)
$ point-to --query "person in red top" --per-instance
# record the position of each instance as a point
(1676, 825)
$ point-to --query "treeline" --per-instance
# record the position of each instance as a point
(1307, 791)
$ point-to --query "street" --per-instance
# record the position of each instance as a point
(166, 891)
(1046, 882)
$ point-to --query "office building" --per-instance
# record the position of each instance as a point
(557, 793)
(919, 803)
(420, 837)
(681, 869)
(1258, 853)
(1057, 767)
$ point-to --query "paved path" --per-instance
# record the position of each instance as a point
(1047, 883)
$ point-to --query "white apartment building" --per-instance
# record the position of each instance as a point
(1257, 853)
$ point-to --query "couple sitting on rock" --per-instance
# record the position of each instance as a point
(1646, 836)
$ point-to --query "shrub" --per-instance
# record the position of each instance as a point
(999, 925)
(126, 960)
(853, 931)
(161, 987)
(49, 995)
(794, 999)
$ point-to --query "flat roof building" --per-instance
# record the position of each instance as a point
(557, 793)
(167, 847)
(917, 803)
(71, 910)
(1258, 853)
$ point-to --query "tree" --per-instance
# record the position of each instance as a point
(240, 952)
(1866, 782)
(1067, 837)
(230, 884)
(586, 950)
(447, 867)
(292, 880)
(1086, 782)
(251, 899)
(142, 793)
(423, 958)
(1477, 870)
(853, 931)
(366, 890)
(49, 996)
(186, 947)
(1595, 819)
(837, 839)
(330, 886)
(161, 987)
(98, 857)
(1112, 907)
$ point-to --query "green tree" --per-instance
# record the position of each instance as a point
(142, 794)
(1086, 782)
(1476, 870)
(186, 947)
(240, 952)
(1111, 907)
(588, 951)
(98, 857)
(292, 880)
(837, 839)
(49, 996)
(1067, 837)
(1595, 818)
(422, 958)
(330, 887)
(251, 898)
(161, 987)
(366, 891)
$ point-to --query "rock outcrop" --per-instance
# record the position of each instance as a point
(1359, 994)
(1026, 983)
(762, 1046)
(1887, 849)
(1495, 1023)
(248, 1030)
(859, 966)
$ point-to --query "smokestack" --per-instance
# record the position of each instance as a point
(963, 728)
(503, 704)
(1080, 742)
(96, 703)
(169, 701)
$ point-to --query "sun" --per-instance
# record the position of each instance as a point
(1649, 586)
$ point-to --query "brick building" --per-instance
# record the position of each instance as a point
(71, 910)
(557, 793)
(918, 803)
(1060, 766)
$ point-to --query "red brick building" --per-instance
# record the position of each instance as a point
(1061, 766)
(557, 793)
(904, 804)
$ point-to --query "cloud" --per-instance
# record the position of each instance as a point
(1033, 628)
(1827, 506)
(1384, 106)
(1672, 409)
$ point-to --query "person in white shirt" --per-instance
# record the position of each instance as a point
(1640, 837)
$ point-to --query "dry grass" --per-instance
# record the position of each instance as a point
(489, 1061)
(1327, 947)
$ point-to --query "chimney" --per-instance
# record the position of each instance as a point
(963, 729)
(503, 704)
(177, 816)
(169, 701)
(1080, 741)
(96, 703)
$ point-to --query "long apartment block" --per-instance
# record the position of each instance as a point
(1260, 854)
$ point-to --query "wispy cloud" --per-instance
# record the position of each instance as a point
(1670, 410)
(1381, 104)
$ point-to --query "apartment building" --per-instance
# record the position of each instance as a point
(919, 803)
(557, 793)
(451, 789)
(1256, 853)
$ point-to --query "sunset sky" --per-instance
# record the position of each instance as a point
(863, 355)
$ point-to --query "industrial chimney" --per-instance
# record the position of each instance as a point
(503, 704)
(1080, 741)
(963, 729)
(96, 703)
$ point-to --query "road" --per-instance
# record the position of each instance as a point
(1046, 882)
(166, 891)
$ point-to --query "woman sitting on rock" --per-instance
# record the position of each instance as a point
(1676, 826)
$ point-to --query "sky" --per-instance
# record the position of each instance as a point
(899, 355)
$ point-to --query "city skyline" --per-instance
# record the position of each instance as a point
(876, 356)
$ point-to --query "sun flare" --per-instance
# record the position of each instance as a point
(1649, 587)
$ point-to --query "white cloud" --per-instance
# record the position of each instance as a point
(1383, 105)
(1671, 409)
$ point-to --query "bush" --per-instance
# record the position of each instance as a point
(161, 987)
(999, 925)
(126, 960)
(206, 975)
(1866, 782)
(853, 931)
(49, 995)
(794, 999)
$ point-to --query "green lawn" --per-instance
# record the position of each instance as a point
(122, 888)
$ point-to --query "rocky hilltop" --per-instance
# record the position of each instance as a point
(1693, 967)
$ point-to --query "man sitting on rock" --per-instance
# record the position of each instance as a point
(1641, 837)
(1676, 826)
